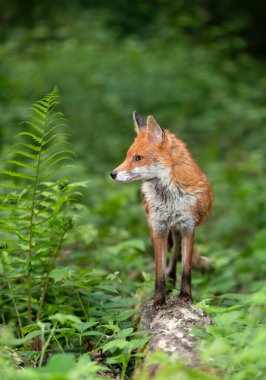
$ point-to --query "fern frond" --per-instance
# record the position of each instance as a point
(43, 102)
(33, 125)
(25, 154)
(32, 135)
(54, 127)
(12, 207)
(33, 202)
(41, 114)
(44, 220)
(52, 174)
(35, 148)
(46, 197)
(51, 156)
(51, 147)
(40, 122)
(15, 228)
(21, 218)
(55, 162)
(41, 107)
(47, 186)
(11, 185)
(53, 95)
(15, 196)
(18, 175)
(20, 163)
(8, 198)
(22, 237)
(56, 135)
(55, 115)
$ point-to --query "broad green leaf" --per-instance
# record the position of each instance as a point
(64, 318)
(114, 344)
(31, 335)
(82, 326)
(125, 333)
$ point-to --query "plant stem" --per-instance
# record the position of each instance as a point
(29, 275)
(43, 290)
(82, 305)
(124, 367)
(55, 338)
(31, 232)
(16, 309)
(45, 345)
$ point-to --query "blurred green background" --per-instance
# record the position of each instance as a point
(198, 66)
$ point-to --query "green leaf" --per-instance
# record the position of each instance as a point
(125, 333)
(30, 328)
(114, 344)
(112, 276)
(136, 343)
(64, 318)
(59, 364)
(27, 338)
(115, 359)
(111, 327)
(108, 288)
(82, 326)
(125, 315)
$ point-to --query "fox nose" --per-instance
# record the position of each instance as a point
(113, 175)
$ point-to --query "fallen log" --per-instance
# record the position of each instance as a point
(170, 328)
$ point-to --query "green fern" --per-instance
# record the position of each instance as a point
(35, 197)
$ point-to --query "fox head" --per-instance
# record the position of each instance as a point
(144, 159)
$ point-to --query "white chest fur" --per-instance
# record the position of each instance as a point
(170, 207)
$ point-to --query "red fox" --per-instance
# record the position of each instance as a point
(176, 195)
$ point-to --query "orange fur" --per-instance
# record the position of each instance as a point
(176, 194)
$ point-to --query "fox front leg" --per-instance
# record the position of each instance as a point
(187, 246)
(160, 249)
(174, 245)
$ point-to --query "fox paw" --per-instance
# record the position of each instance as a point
(184, 297)
(158, 304)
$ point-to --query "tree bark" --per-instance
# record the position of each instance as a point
(170, 329)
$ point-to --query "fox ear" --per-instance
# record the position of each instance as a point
(140, 123)
(154, 131)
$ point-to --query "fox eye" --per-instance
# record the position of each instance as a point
(138, 158)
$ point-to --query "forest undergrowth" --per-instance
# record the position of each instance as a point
(76, 263)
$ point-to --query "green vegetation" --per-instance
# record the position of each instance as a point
(75, 258)
(38, 211)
